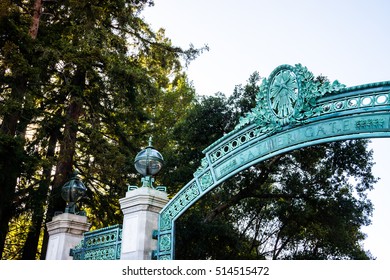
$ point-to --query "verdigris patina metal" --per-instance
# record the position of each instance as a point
(293, 110)
(289, 96)
(101, 244)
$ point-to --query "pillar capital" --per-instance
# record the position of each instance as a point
(140, 209)
(143, 199)
(65, 232)
(69, 223)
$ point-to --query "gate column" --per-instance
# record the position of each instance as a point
(65, 232)
(140, 209)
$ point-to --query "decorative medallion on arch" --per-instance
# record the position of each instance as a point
(288, 97)
(293, 110)
(283, 93)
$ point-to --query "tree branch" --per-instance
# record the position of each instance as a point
(245, 193)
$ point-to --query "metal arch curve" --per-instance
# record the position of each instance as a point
(323, 115)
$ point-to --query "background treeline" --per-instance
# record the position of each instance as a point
(83, 84)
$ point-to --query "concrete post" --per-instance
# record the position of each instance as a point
(140, 210)
(65, 232)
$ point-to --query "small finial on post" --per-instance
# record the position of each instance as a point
(148, 163)
(71, 192)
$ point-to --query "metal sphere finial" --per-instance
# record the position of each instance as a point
(72, 191)
(148, 163)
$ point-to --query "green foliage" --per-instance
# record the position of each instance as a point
(86, 93)
(16, 236)
(190, 137)
(217, 240)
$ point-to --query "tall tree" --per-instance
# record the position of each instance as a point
(99, 83)
(18, 82)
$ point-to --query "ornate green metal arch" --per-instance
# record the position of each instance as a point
(293, 110)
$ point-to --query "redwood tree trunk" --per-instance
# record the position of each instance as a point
(35, 19)
(11, 153)
(30, 248)
(8, 130)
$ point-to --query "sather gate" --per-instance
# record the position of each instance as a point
(293, 111)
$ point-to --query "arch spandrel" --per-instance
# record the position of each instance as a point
(293, 110)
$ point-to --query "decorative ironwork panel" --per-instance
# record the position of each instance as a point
(165, 243)
(101, 244)
(206, 181)
(165, 257)
(176, 205)
(234, 144)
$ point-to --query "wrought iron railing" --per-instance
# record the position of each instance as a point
(101, 244)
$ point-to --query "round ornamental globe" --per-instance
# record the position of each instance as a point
(73, 190)
(149, 161)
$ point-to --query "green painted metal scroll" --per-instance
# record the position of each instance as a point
(293, 110)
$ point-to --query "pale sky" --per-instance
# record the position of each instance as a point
(345, 40)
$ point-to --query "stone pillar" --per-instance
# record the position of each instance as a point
(65, 232)
(141, 209)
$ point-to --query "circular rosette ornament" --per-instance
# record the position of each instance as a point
(283, 93)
